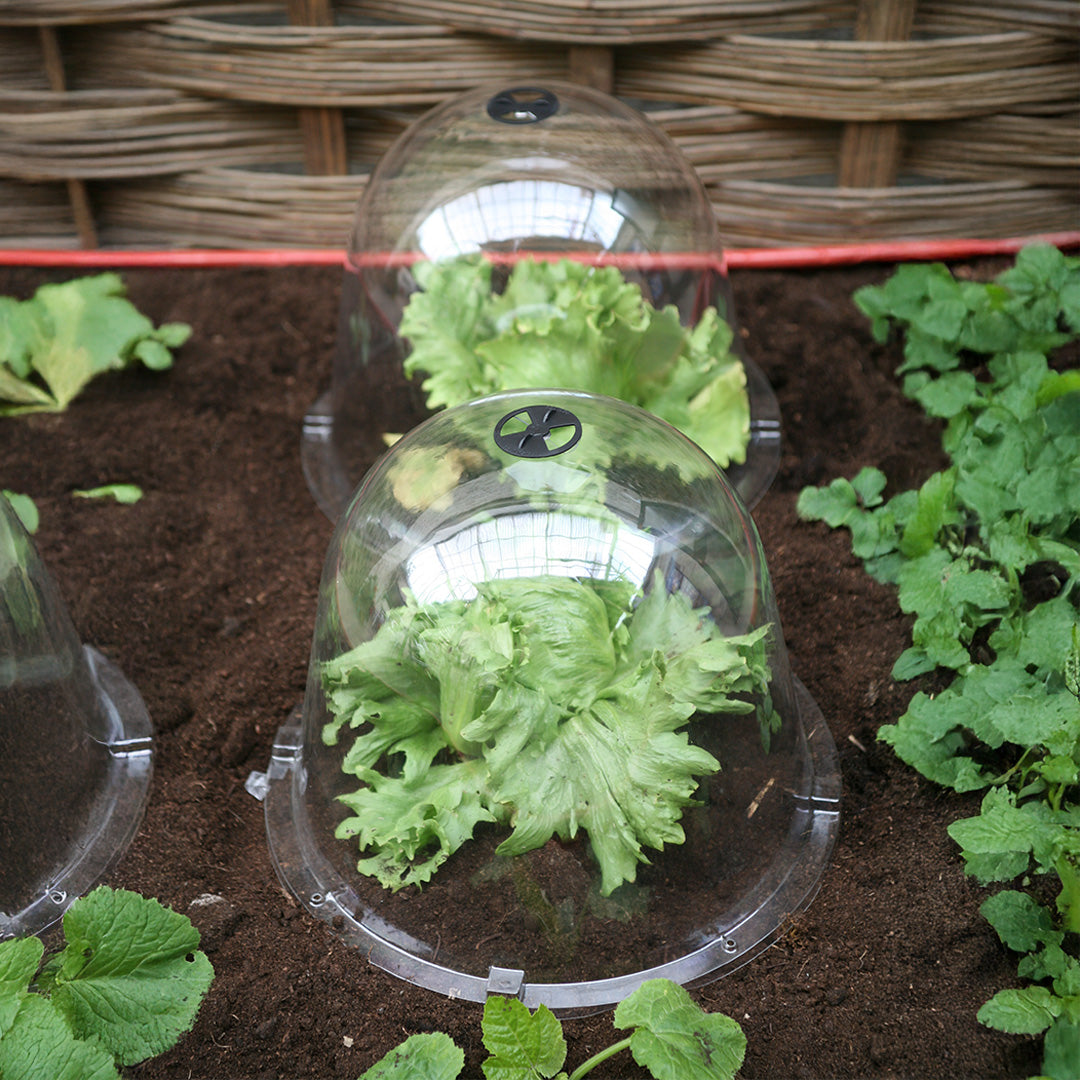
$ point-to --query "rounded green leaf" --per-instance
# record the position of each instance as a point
(523, 1045)
(674, 1039)
(426, 1056)
(131, 974)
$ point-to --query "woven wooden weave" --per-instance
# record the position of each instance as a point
(147, 123)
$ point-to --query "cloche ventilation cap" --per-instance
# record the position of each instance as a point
(537, 235)
(551, 744)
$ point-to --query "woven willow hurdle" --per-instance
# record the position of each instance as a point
(150, 123)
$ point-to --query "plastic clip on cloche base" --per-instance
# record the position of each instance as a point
(503, 177)
(75, 738)
(581, 559)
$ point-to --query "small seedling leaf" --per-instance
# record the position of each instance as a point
(122, 493)
(523, 1045)
(153, 354)
(427, 1056)
(674, 1039)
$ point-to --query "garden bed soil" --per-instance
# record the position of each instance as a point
(204, 594)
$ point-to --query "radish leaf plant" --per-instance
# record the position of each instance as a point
(985, 556)
(126, 986)
(670, 1036)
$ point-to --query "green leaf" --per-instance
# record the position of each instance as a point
(25, 396)
(70, 332)
(950, 394)
(868, 484)
(522, 1045)
(19, 959)
(427, 1056)
(131, 975)
(20, 331)
(173, 334)
(25, 510)
(1061, 1050)
(930, 737)
(152, 353)
(942, 318)
(1021, 923)
(122, 493)
(469, 341)
(674, 1039)
(1005, 828)
(412, 827)
(564, 704)
(1051, 962)
(1021, 1012)
(855, 504)
(935, 510)
(39, 1044)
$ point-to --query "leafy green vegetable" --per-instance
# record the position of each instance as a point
(126, 986)
(986, 558)
(122, 493)
(547, 704)
(672, 1038)
(565, 324)
(53, 344)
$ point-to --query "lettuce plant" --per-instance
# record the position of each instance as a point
(53, 344)
(547, 705)
(565, 324)
(670, 1036)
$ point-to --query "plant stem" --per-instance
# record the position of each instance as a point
(611, 1051)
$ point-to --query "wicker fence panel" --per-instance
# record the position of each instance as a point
(356, 66)
(201, 123)
(615, 22)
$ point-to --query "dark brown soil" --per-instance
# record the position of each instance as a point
(204, 593)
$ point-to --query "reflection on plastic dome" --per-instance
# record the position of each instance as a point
(501, 214)
(533, 544)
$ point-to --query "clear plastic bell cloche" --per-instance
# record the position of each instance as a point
(75, 739)
(551, 745)
(537, 236)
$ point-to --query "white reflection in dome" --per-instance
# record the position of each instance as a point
(527, 545)
(520, 209)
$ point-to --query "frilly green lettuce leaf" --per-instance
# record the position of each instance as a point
(546, 704)
(566, 324)
(53, 344)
